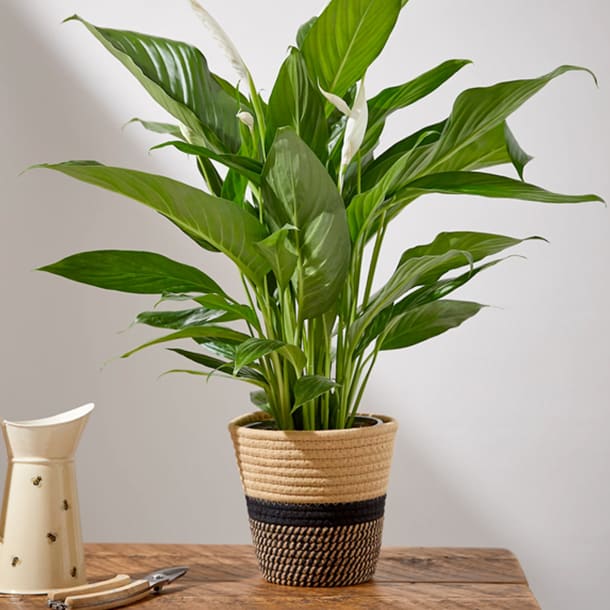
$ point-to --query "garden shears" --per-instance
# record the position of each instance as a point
(115, 592)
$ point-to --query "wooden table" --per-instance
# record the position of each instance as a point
(226, 577)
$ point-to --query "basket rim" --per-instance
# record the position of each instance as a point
(237, 426)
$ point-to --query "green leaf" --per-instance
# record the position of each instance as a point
(298, 192)
(253, 349)
(295, 102)
(477, 111)
(495, 147)
(280, 253)
(309, 387)
(425, 294)
(478, 245)
(163, 128)
(177, 77)
(489, 185)
(133, 271)
(180, 319)
(246, 373)
(409, 274)
(439, 289)
(427, 321)
(250, 168)
(203, 359)
(394, 98)
(201, 216)
(233, 311)
(345, 40)
(194, 332)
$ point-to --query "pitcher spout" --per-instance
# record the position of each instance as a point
(52, 438)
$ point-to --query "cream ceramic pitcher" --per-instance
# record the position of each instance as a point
(41, 544)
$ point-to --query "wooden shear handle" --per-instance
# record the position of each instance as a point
(103, 595)
(111, 598)
(112, 583)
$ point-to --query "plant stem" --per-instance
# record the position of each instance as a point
(374, 258)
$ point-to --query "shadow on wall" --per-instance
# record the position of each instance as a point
(58, 334)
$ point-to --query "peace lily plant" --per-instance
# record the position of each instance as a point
(294, 191)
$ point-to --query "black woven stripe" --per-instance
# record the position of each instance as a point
(315, 515)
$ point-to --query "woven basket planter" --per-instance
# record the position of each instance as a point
(315, 499)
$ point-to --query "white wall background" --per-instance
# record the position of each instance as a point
(504, 422)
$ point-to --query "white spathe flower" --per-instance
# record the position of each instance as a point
(247, 119)
(355, 128)
(223, 40)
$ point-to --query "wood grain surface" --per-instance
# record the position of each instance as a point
(226, 577)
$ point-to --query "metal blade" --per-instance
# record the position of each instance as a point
(159, 578)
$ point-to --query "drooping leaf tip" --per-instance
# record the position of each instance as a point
(74, 17)
(537, 237)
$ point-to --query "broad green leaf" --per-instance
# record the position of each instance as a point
(440, 289)
(489, 185)
(495, 147)
(394, 98)
(133, 271)
(195, 332)
(155, 127)
(298, 191)
(309, 387)
(236, 311)
(409, 274)
(417, 298)
(427, 321)
(246, 373)
(479, 245)
(250, 168)
(181, 319)
(253, 349)
(417, 271)
(201, 216)
(295, 102)
(203, 359)
(477, 111)
(280, 253)
(177, 77)
(345, 40)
